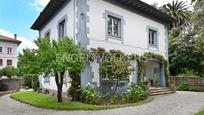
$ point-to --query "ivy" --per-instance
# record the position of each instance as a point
(105, 59)
(162, 60)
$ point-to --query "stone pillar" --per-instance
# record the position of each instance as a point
(134, 77)
(163, 76)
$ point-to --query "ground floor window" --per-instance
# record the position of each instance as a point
(9, 62)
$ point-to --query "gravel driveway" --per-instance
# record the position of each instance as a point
(180, 103)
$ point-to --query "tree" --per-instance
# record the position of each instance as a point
(179, 11)
(196, 1)
(28, 63)
(198, 18)
(56, 58)
(9, 71)
(116, 68)
(198, 29)
(28, 67)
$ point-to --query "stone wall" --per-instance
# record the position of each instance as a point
(191, 81)
(9, 85)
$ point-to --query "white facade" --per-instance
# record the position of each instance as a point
(92, 30)
(67, 13)
(135, 30)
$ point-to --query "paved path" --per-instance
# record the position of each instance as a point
(181, 103)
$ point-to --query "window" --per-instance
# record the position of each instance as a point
(152, 37)
(114, 26)
(1, 49)
(1, 62)
(46, 79)
(62, 29)
(9, 50)
(47, 34)
(9, 62)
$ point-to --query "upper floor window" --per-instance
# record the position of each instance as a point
(9, 50)
(47, 34)
(9, 62)
(62, 29)
(152, 37)
(1, 62)
(1, 49)
(114, 26)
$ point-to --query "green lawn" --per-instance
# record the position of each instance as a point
(200, 113)
(43, 101)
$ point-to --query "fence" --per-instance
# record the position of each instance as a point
(191, 81)
(9, 84)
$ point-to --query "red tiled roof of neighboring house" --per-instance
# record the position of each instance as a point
(8, 39)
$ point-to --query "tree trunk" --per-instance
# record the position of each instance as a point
(116, 87)
(59, 82)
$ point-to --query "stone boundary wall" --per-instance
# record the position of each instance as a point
(191, 81)
(9, 84)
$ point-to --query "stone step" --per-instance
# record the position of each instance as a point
(160, 91)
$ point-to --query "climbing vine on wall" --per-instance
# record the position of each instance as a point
(114, 65)
(106, 66)
(162, 60)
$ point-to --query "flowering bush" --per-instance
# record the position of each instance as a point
(91, 96)
(136, 93)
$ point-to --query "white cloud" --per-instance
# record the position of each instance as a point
(39, 4)
(26, 43)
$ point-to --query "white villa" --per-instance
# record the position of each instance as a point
(131, 26)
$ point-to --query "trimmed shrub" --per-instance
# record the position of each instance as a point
(183, 87)
(186, 87)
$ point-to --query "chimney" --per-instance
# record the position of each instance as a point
(15, 36)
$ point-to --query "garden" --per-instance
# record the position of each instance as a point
(90, 99)
(55, 58)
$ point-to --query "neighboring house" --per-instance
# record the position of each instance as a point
(131, 26)
(8, 51)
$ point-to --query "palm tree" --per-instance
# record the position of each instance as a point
(179, 11)
(195, 1)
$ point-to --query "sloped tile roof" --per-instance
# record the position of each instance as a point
(135, 5)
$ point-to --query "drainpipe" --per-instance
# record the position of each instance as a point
(74, 20)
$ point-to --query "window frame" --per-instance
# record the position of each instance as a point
(153, 37)
(46, 79)
(46, 33)
(156, 39)
(110, 17)
(1, 51)
(1, 62)
(8, 51)
(106, 16)
(11, 62)
(64, 20)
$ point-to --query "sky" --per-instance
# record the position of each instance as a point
(17, 16)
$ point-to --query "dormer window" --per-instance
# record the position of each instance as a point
(62, 29)
(152, 37)
(9, 50)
